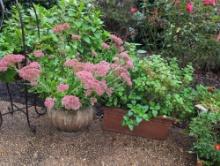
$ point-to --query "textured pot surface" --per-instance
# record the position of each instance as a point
(70, 121)
(157, 128)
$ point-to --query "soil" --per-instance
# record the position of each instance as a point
(19, 146)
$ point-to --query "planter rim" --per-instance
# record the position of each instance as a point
(121, 110)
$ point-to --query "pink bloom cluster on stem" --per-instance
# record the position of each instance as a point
(91, 84)
(49, 103)
(62, 87)
(122, 63)
(38, 53)
(30, 72)
(118, 43)
(87, 73)
(128, 63)
(105, 46)
(209, 2)
(61, 27)
(101, 69)
(71, 102)
(117, 40)
(123, 73)
(10, 59)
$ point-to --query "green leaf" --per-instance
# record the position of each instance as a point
(8, 76)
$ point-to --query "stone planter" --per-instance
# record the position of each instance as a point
(157, 128)
(70, 121)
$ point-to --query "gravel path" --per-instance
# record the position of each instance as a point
(18, 146)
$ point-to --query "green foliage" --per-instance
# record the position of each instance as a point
(205, 129)
(84, 20)
(158, 85)
(164, 27)
(8, 76)
(208, 97)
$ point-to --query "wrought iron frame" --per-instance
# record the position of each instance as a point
(13, 107)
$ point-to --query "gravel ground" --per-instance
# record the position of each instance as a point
(19, 146)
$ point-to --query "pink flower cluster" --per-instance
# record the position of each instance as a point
(38, 53)
(121, 65)
(30, 72)
(91, 84)
(71, 102)
(209, 2)
(61, 27)
(62, 87)
(118, 43)
(128, 63)
(123, 73)
(87, 73)
(49, 103)
(105, 46)
(117, 40)
(10, 59)
(101, 69)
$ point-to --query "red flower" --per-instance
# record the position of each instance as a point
(133, 10)
(189, 7)
(217, 147)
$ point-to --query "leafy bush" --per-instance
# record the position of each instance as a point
(159, 88)
(166, 27)
(205, 129)
(208, 97)
(84, 21)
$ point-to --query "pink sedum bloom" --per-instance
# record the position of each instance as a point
(3, 65)
(105, 46)
(61, 27)
(118, 41)
(102, 68)
(62, 87)
(12, 59)
(189, 7)
(49, 103)
(30, 72)
(71, 102)
(38, 53)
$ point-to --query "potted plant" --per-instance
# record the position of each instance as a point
(160, 92)
(73, 95)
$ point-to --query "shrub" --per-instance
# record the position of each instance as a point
(166, 27)
(205, 130)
